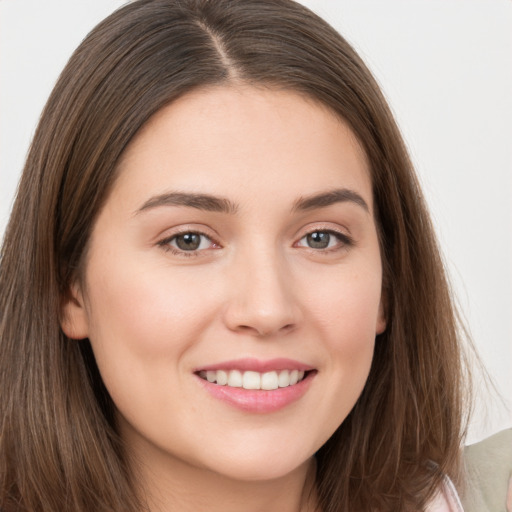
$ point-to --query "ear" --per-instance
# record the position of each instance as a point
(73, 318)
(380, 326)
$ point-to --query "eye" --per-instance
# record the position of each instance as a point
(187, 242)
(324, 239)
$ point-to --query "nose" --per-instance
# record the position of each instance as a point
(262, 300)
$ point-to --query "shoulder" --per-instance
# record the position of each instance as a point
(488, 467)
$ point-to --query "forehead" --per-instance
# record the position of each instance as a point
(232, 139)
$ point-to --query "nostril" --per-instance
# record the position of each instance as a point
(246, 328)
(264, 331)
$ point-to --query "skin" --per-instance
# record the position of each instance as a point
(254, 288)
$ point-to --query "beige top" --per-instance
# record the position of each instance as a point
(488, 467)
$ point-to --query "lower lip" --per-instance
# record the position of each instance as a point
(259, 400)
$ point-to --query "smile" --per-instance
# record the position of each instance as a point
(257, 386)
(253, 380)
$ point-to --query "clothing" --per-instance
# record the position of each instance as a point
(488, 466)
(446, 500)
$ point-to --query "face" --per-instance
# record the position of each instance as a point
(232, 287)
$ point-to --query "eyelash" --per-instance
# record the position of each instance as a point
(345, 242)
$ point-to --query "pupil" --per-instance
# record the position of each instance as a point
(318, 240)
(188, 241)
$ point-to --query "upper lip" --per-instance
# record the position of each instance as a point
(257, 365)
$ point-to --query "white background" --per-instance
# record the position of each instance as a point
(446, 68)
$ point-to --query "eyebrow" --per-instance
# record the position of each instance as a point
(200, 201)
(211, 203)
(329, 198)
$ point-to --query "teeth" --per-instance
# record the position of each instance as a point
(269, 381)
(253, 380)
(235, 379)
(222, 377)
(284, 379)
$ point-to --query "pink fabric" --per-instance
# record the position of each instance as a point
(446, 500)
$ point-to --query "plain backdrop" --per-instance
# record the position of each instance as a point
(446, 69)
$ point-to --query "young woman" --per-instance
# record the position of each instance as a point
(220, 287)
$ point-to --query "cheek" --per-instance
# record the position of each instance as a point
(143, 311)
(141, 325)
(346, 314)
(347, 307)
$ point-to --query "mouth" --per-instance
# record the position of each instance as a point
(257, 386)
(253, 380)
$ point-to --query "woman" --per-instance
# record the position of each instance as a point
(220, 284)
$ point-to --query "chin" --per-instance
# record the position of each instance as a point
(254, 463)
(258, 471)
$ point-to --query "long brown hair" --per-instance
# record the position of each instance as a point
(59, 449)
